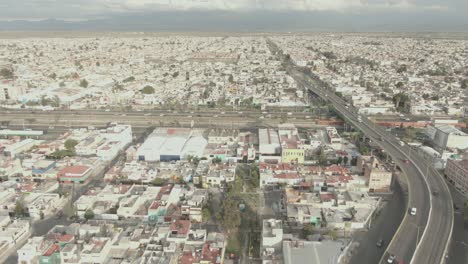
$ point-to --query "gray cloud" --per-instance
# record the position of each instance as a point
(88, 9)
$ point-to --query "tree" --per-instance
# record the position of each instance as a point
(129, 79)
(231, 78)
(148, 90)
(159, 182)
(339, 160)
(53, 76)
(20, 208)
(339, 94)
(70, 144)
(6, 73)
(84, 83)
(216, 160)
(399, 84)
(464, 83)
(345, 160)
(322, 157)
(69, 210)
(401, 101)
(402, 68)
(307, 230)
(41, 214)
(89, 214)
(410, 133)
(231, 215)
(206, 214)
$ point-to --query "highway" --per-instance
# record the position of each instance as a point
(423, 238)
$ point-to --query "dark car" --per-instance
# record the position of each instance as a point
(380, 243)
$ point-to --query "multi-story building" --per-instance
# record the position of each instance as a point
(457, 172)
(380, 179)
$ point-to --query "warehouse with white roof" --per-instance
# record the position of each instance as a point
(169, 144)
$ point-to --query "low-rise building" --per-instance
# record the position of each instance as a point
(74, 174)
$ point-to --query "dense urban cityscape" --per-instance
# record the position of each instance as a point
(219, 149)
(244, 148)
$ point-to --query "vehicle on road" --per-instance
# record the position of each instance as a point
(406, 161)
(402, 143)
(359, 119)
(435, 192)
(161, 115)
(455, 206)
(380, 243)
(413, 211)
(391, 259)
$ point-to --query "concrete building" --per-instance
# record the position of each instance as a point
(379, 178)
(170, 144)
(9, 92)
(334, 138)
(76, 174)
(18, 147)
(450, 137)
(269, 142)
(457, 172)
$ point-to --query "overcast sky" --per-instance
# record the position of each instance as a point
(89, 9)
(449, 13)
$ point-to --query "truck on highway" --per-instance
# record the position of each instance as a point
(359, 119)
(402, 143)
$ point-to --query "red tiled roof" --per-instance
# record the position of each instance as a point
(181, 226)
(166, 189)
(293, 175)
(51, 250)
(210, 254)
(73, 170)
(325, 197)
(189, 258)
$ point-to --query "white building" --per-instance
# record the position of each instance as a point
(269, 142)
(168, 144)
(450, 137)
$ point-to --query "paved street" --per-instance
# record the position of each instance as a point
(422, 238)
(384, 226)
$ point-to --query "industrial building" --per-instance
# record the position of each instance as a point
(171, 144)
(446, 136)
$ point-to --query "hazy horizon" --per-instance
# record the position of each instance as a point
(239, 15)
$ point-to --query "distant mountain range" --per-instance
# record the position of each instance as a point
(248, 21)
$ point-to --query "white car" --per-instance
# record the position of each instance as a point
(413, 211)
